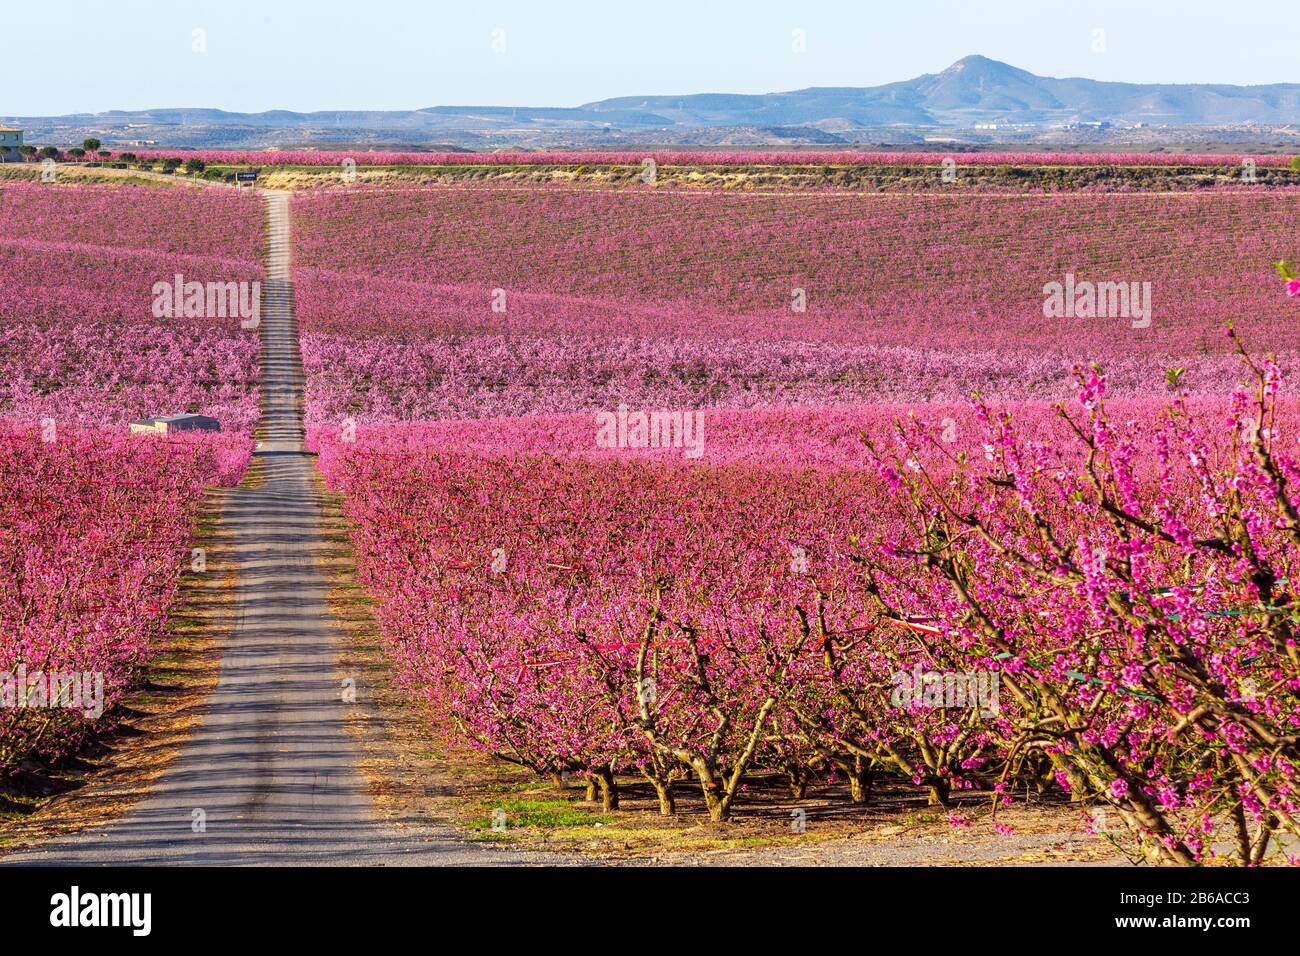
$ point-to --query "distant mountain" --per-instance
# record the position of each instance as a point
(974, 91)
(977, 90)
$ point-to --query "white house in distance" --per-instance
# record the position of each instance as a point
(11, 141)
(167, 424)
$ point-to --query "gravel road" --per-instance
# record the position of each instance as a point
(269, 776)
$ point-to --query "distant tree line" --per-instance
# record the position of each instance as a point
(91, 150)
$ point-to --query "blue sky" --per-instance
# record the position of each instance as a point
(84, 56)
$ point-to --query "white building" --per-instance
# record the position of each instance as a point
(11, 141)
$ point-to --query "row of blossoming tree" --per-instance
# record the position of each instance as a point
(1113, 597)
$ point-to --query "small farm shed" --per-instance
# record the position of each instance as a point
(176, 423)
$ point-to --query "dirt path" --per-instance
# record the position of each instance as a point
(270, 774)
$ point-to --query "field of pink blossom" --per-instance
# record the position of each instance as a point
(485, 301)
(1113, 571)
(96, 525)
(828, 438)
(633, 613)
(216, 223)
(80, 343)
(95, 529)
(702, 158)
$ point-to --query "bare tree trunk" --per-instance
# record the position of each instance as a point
(1243, 834)
(798, 780)
(667, 800)
(608, 787)
(715, 799)
(860, 776)
(1263, 833)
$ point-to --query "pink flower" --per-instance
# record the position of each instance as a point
(1119, 789)
(1293, 288)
